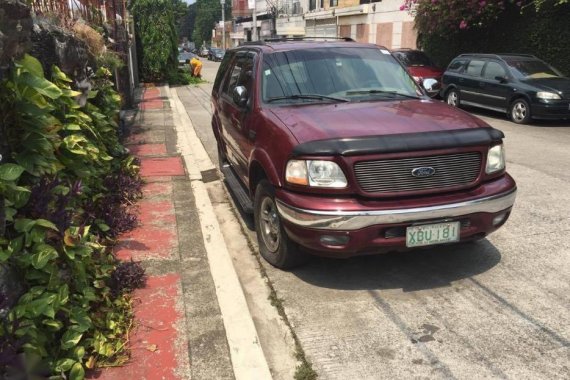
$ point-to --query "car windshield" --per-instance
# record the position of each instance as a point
(414, 58)
(532, 69)
(334, 74)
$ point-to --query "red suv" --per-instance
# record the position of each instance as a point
(420, 67)
(336, 150)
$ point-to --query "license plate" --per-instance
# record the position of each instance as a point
(430, 234)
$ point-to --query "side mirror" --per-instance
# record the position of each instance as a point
(240, 96)
(430, 84)
(501, 79)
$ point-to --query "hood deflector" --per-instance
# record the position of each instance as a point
(403, 142)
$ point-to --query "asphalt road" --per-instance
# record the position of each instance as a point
(499, 308)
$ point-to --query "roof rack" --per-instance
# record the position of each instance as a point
(499, 55)
(293, 39)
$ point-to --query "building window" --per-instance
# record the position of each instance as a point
(334, 3)
(312, 5)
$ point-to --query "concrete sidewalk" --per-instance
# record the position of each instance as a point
(179, 331)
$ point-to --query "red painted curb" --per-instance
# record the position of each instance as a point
(170, 166)
(154, 189)
(156, 353)
(148, 150)
(148, 242)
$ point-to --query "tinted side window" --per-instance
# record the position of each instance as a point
(474, 68)
(456, 65)
(222, 70)
(241, 73)
(494, 69)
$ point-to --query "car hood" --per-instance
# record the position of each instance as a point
(552, 84)
(425, 71)
(342, 120)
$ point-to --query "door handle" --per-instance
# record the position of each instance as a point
(251, 134)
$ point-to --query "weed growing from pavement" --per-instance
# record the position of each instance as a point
(304, 370)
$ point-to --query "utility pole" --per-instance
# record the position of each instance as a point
(254, 35)
(223, 24)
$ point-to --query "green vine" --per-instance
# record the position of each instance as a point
(68, 319)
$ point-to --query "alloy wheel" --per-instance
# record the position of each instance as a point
(269, 223)
(519, 112)
(453, 99)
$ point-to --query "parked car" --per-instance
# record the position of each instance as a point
(204, 52)
(219, 55)
(336, 150)
(421, 67)
(184, 57)
(212, 53)
(522, 86)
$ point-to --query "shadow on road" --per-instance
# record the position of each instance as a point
(409, 271)
(500, 116)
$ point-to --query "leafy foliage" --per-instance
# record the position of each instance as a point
(156, 30)
(444, 16)
(543, 33)
(64, 157)
(126, 277)
(208, 13)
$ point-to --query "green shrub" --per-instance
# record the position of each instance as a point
(62, 156)
(543, 33)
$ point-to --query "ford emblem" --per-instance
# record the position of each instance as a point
(423, 172)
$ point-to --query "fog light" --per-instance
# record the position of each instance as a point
(499, 219)
(334, 240)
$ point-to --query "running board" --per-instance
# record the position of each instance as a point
(238, 191)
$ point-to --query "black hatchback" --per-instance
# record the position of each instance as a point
(520, 85)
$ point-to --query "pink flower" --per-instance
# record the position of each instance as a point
(463, 24)
(402, 7)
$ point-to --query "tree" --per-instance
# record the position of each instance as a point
(208, 13)
(156, 32)
(443, 16)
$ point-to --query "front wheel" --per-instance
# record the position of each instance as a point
(452, 98)
(520, 111)
(274, 244)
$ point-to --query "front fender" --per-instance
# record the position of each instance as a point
(261, 157)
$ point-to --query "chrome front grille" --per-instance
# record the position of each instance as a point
(395, 175)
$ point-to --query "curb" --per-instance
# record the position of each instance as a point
(248, 360)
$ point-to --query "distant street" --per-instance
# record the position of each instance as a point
(498, 308)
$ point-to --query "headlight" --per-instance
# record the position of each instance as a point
(495, 159)
(315, 173)
(548, 95)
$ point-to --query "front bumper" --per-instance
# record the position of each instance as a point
(555, 110)
(383, 229)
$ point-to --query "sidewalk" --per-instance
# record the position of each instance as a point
(179, 332)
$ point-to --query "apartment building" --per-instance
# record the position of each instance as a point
(379, 22)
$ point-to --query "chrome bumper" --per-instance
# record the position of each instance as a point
(354, 220)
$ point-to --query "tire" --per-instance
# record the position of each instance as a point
(274, 244)
(452, 98)
(519, 112)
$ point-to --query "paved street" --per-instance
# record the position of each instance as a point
(498, 308)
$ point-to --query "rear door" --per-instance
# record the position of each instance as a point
(236, 120)
(470, 93)
(494, 86)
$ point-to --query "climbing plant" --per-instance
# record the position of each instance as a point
(65, 160)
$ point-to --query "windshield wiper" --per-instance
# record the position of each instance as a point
(307, 96)
(365, 92)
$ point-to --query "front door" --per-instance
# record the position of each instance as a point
(237, 119)
(494, 86)
(469, 83)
